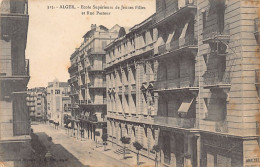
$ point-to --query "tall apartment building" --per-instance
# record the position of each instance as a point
(30, 103)
(187, 79)
(14, 77)
(36, 103)
(14, 69)
(88, 82)
(57, 94)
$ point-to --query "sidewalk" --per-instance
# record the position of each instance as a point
(115, 152)
(131, 157)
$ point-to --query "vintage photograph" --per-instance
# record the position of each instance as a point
(123, 83)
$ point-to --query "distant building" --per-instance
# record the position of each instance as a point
(36, 103)
(88, 82)
(57, 97)
(66, 105)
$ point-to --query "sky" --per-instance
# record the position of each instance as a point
(54, 33)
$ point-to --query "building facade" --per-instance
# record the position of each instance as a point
(187, 79)
(87, 81)
(14, 77)
(57, 97)
(36, 103)
(14, 68)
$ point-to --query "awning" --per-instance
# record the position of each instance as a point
(158, 43)
(185, 105)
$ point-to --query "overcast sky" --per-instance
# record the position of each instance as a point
(53, 34)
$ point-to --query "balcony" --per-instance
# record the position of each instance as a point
(173, 122)
(213, 34)
(82, 101)
(74, 79)
(183, 44)
(257, 77)
(126, 89)
(73, 68)
(217, 79)
(133, 88)
(175, 11)
(97, 102)
(93, 68)
(162, 48)
(97, 85)
(74, 92)
(120, 90)
(186, 44)
(178, 84)
(96, 50)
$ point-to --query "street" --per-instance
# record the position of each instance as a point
(67, 151)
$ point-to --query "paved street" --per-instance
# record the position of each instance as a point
(68, 151)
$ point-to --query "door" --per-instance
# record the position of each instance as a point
(167, 149)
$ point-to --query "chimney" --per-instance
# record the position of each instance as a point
(93, 26)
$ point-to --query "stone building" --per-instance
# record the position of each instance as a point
(88, 82)
(14, 77)
(36, 103)
(57, 94)
(187, 79)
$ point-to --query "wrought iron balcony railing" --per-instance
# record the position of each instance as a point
(179, 44)
(216, 78)
(181, 7)
(175, 122)
(216, 34)
(178, 83)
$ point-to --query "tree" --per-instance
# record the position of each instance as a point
(138, 147)
(156, 148)
(104, 138)
(125, 140)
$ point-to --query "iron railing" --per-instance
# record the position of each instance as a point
(174, 83)
(212, 32)
(180, 43)
(97, 84)
(215, 78)
(95, 68)
(175, 122)
(175, 11)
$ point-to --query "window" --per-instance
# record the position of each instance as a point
(57, 91)
(51, 91)
(38, 103)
